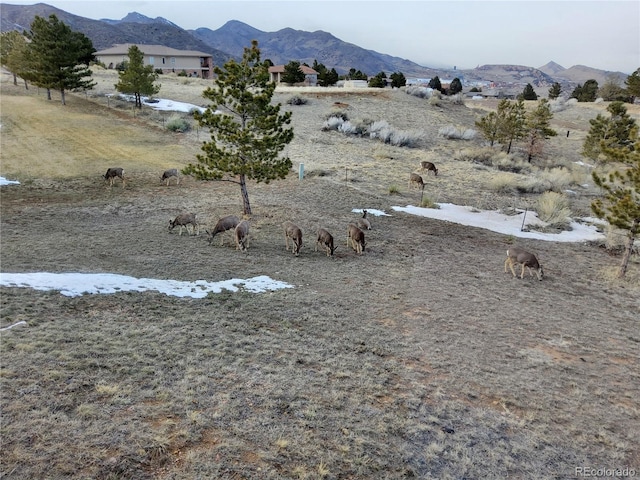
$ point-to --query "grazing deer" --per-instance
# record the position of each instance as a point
(184, 220)
(225, 223)
(356, 237)
(242, 235)
(325, 239)
(169, 174)
(293, 232)
(364, 222)
(516, 255)
(111, 175)
(429, 167)
(415, 179)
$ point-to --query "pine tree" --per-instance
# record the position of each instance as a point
(538, 128)
(633, 85)
(59, 57)
(586, 92)
(13, 55)
(435, 83)
(620, 205)
(248, 133)
(398, 79)
(379, 81)
(529, 93)
(293, 73)
(505, 125)
(137, 79)
(608, 134)
(555, 91)
(455, 87)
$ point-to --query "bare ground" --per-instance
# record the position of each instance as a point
(420, 358)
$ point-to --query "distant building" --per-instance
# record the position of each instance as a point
(194, 63)
(310, 75)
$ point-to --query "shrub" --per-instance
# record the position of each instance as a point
(428, 203)
(559, 179)
(297, 100)
(182, 73)
(338, 114)
(422, 92)
(176, 123)
(553, 208)
(394, 190)
(504, 183)
(332, 123)
(457, 133)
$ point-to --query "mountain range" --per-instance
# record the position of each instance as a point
(285, 45)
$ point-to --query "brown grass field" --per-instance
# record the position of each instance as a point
(419, 359)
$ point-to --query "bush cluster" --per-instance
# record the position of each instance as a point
(297, 100)
(176, 123)
(378, 130)
(452, 132)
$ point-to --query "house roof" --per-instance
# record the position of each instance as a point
(280, 69)
(154, 50)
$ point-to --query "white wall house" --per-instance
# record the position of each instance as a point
(194, 63)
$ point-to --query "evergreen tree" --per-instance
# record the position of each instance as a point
(555, 91)
(59, 57)
(538, 128)
(398, 80)
(293, 73)
(355, 75)
(379, 81)
(455, 87)
(435, 83)
(249, 133)
(331, 77)
(586, 92)
(620, 205)
(609, 133)
(529, 93)
(137, 79)
(505, 125)
(633, 85)
(13, 55)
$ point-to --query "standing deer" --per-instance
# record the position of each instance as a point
(225, 223)
(184, 220)
(364, 222)
(326, 240)
(293, 232)
(111, 175)
(429, 167)
(169, 174)
(356, 237)
(516, 255)
(242, 235)
(415, 179)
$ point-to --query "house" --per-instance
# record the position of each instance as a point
(194, 63)
(310, 75)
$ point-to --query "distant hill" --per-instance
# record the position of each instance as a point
(285, 45)
(105, 34)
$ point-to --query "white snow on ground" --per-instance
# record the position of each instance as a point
(507, 224)
(76, 284)
(4, 181)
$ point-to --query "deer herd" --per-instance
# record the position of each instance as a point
(516, 256)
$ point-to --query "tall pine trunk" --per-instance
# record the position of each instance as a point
(628, 249)
(245, 195)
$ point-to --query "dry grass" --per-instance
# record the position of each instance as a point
(420, 358)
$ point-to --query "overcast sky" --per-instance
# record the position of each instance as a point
(598, 33)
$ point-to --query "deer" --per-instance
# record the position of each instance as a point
(356, 237)
(429, 167)
(293, 232)
(225, 223)
(516, 255)
(241, 234)
(364, 223)
(169, 174)
(415, 179)
(184, 220)
(112, 173)
(325, 239)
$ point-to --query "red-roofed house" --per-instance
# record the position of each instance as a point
(310, 75)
